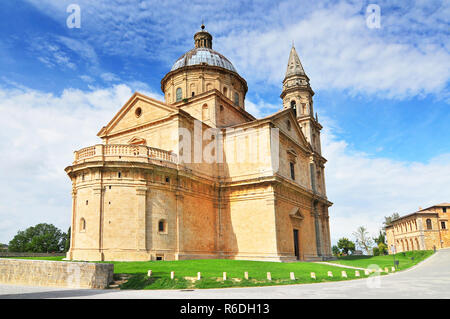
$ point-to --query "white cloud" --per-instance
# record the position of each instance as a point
(408, 56)
(39, 133)
(364, 189)
(109, 77)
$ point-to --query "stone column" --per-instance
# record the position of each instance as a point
(141, 218)
(317, 229)
(98, 201)
(179, 225)
(74, 223)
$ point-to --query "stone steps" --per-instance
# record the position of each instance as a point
(119, 279)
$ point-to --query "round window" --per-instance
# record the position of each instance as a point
(138, 112)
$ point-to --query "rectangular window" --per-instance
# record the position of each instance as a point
(444, 209)
(292, 170)
(443, 225)
(236, 99)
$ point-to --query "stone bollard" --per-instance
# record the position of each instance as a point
(246, 275)
(149, 273)
(330, 274)
(199, 275)
(393, 269)
(224, 276)
(292, 276)
(366, 272)
(313, 275)
(386, 269)
(344, 274)
(269, 276)
(172, 274)
(356, 273)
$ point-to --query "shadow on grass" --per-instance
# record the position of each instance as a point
(140, 281)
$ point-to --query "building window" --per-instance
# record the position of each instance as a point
(179, 95)
(288, 124)
(443, 225)
(193, 93)
(167, 179)
(292, 170)
(87, 202)
(429, 226)
(236, 98)
(162, 227)
(294, 107)
(138, 112)
(119, 174)
(444, 209)
(82, 225)
(225, 90)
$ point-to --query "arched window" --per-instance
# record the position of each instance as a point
(225, 90)
(179, 94)
(294, 106)
(236, 98)
(429, 226)
(82, 225)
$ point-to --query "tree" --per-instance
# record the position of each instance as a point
(346, 245)
(389, 219)
(42, 238)
(382, 248)
(381, 238)
(335, 250)
(67, 240)
(362, 239)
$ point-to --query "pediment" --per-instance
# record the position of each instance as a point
(137, 141)
(137, 111)
(295, 213)
(287, 123)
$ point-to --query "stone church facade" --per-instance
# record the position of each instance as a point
(150, 190)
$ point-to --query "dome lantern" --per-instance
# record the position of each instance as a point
(203, 39)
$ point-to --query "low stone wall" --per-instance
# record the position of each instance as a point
(11, 254)
(55, 273)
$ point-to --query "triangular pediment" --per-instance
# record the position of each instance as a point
(137, 141)
(137, 111)
(287, 123)
(295, 213)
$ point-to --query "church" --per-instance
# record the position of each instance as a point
(196, 176)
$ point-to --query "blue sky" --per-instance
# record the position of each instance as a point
(382, 94)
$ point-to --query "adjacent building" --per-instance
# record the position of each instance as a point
(421, 230)
(197, 176)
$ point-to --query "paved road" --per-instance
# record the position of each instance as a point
(429, 279)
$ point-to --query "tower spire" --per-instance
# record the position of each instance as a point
(294, 65)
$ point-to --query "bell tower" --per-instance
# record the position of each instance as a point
(297, 94)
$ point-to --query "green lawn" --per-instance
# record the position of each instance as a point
(212, 269)
(406, 259)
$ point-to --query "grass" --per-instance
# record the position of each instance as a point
(212, 270)
(406, 260)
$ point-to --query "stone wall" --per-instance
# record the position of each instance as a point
(14, 254)
(55, 273)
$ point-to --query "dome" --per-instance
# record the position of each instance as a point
(202, 55)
